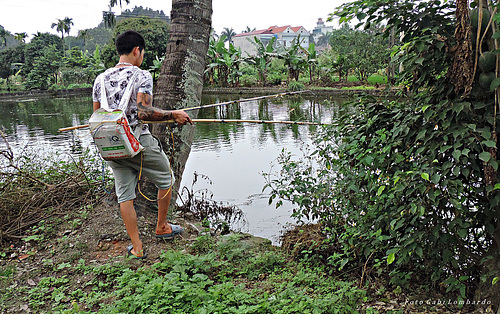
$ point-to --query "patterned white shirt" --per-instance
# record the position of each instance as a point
(115, 82)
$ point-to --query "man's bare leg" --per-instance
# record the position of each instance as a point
(129, 217)
(163, 203)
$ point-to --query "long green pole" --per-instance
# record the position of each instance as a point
(209, 106)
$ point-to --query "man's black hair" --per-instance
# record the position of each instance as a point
(128, 40)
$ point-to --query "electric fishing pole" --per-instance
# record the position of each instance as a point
(220, 120)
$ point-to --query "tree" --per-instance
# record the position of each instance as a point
(21, 37)
(34, 49)
(414, 182)
(216, 48)
(63, 26)
(181, 79)
(223, 64)
(109, 19)
(4, 34)
(112, 3)
(249, 30)
(154, 31)
(45, 69)
(311, 60)
(262, 59)
(10, 58)
(364, 51)
(229, 34)
(293, 57)
(323, 39)
(84, 34)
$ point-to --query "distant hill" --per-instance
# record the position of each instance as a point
(143, 12)
(11, 42)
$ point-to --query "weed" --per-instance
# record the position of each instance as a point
(43, 187)
(49, 290)
(203, 244)
(231, 248)
(218, 215)
(7, 271)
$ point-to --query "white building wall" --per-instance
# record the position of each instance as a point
(285, 38)
(245, 44)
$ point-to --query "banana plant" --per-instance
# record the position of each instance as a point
(262, 60)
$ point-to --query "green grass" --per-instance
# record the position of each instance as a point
(377, 79)
(232, 275)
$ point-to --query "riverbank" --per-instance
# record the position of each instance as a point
(75, 263)
(350, 91)
(5, 97)
(68, 256)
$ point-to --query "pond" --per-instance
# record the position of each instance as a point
(232, 156)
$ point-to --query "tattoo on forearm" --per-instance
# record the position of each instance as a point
(147, 112)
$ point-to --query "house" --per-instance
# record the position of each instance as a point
(321, 29)
(320, 35)
(284, 35)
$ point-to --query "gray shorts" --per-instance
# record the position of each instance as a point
(155, 167)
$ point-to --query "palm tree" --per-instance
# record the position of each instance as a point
(84, 34)
(21, 37)
(109, 18)
(63, 26)
(229, 33)
(180, 83)
(249, 30)
(3, 34)
(112, 3)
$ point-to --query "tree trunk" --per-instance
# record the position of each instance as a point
(180, 83)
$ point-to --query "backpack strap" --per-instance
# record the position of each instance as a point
(104, 98)
(125, 100)
(126, 95)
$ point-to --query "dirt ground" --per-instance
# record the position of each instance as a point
(97, 238)
(100, 237)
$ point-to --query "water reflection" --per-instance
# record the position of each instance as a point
(232, 155)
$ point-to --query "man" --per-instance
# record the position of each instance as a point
(152, 162)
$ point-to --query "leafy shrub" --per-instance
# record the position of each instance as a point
(247, 80)
(413, 181)
(296, 86)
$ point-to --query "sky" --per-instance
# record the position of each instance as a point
(32, 16)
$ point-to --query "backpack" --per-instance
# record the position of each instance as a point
(110, 129)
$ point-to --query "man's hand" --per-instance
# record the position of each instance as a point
(181, 117)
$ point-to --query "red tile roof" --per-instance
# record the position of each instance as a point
(270, 30)
(257, 32)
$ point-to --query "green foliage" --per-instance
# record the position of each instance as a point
(11, 59)
(155, 33)
(293, 57)
(408, 181)
(223, 64)
(45, 69)
(35, 47)
(263, 58)
(364, 52)
(80, 67)
(48, 289)
(296, 86)
(183, 283)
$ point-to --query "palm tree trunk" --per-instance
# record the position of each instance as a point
(180, 83)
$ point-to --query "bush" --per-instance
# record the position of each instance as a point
(296, 86)
(248, 80)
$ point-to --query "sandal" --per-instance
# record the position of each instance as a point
(140, 255)
(176, 230)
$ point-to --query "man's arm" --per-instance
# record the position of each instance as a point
(96, 105)
(146, 111)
